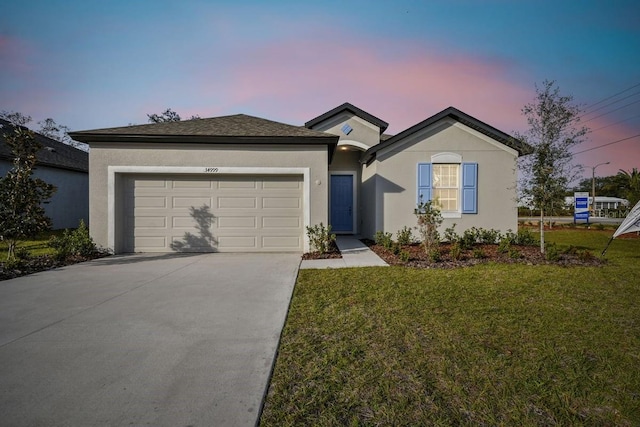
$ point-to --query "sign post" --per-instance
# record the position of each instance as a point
(580, 206)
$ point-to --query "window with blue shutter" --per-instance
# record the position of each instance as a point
(424, 182)
(469, 188)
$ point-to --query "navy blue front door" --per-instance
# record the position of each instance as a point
(342, 203)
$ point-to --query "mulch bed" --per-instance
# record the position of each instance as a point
(333, 253)
(526, 255)
(42, 263)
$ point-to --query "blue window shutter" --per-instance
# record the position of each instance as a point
(470, 188)
(424, 182)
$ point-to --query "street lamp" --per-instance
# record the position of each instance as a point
(593, 184)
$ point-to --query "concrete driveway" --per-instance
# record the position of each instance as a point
(162, 340)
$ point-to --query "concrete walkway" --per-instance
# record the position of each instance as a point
(354, 254)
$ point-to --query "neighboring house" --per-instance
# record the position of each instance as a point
(602, 202)
(241, 183)
(65, 167)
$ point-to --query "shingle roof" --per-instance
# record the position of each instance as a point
(352, 109)
(239, 127)
(54, 153)
(520, 146)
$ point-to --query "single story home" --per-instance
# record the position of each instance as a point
(59, 164)
(241, 183)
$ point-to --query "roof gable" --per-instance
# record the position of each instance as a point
(453, 113)
(53, 153)
(352, 109)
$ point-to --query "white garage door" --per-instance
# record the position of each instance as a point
(233, 213)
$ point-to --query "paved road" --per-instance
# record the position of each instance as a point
(165, 340)
(568, 219)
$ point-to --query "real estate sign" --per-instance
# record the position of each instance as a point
(581, 206)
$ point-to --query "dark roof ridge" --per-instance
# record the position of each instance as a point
(520, 146)
(353, 109)
(240, 126)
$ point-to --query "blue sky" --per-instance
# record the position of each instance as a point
(101, 64)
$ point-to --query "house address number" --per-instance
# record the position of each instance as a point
(210, 170)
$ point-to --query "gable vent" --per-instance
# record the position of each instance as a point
(346, 129)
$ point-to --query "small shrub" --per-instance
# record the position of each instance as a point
(571, 250)
(320, 237)
(585, 255)
(14, 263)
(469, 238)
(429, 219)
(383, 239)
(396, 248)
(600, 226)
(455, 251)
(404, 256)
(514, 253)
(488, 237)
(479, 253)
(76, 243)
(405, 236)
(551, 252)
(504, 245)
(571, 225)
(450, 234)
(22, 253)
(435, 255)
(525, 238)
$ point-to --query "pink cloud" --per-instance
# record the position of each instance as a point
(297, 80)
(303, 78)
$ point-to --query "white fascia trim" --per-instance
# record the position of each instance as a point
(202, 170)
(354, 202)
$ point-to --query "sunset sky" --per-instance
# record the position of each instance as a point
(90, 64)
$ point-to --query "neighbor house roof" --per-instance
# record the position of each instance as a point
(239, 128)
(520, 146)
(53, 153)
(351, 109)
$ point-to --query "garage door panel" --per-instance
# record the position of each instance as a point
(280, 183)
(234, 185)
(204, 184)
(150, 243)
(244, 242)
(237, 202)
(281, 242)
(281, 222)
(151, 202)
(241, 213)
(151, 183)
(281, 202)
(191, 202)
(151, 221)
(236, 222)
(182, 222)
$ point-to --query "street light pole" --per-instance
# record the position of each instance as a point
(593, 185)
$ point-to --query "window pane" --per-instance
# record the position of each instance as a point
(446, 189)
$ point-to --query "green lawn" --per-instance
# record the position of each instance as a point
(37, 246)
(486, 345)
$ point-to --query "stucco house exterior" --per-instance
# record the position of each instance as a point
(241, 183)
(59, 164)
